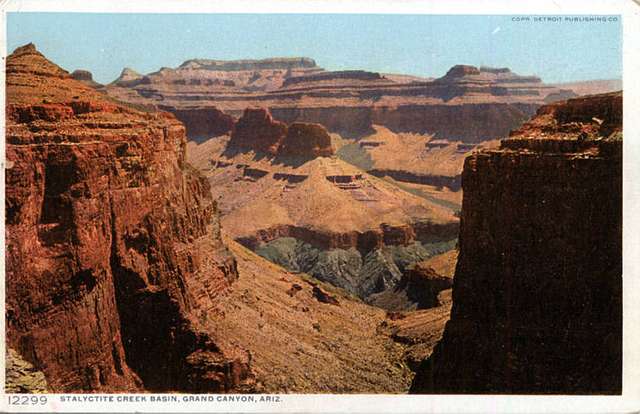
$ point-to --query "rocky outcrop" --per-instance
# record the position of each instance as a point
(458, 71)
(581, 119)
(21, 377)
(257, 131)
(113, 252)
(418, 288)
(537, 297)
(306, 140)
(128, 77)
(364, 242)
(324, 297)
(466, 74)
(86, 77)
(82, 75)
(423, 285)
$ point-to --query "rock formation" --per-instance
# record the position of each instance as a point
(468, 104)
(205, 122)
(537, 297)
(113, 251)
(423, 285)
(256, 130)
(419, 288)
(21, 377)
(459, 71)
(419, 330)
(86, 77)
(311, 212)
(277, 64)
(128, 77)
(306, 140)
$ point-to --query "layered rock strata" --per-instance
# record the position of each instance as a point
(467, 104)
(113, 251)
(537, 297)
(306, 140)
(311, 212)
(362, 241)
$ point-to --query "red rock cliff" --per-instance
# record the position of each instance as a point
(307, 140)
(537, 296)
(113, 253)
(257, 131)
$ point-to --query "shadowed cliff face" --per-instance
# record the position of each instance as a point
(537, 296)
(113, 250)
(204, 123)
(257, 131)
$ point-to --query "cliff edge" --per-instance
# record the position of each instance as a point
(537, 295)
(113, 251)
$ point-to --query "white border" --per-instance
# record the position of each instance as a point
(630, 11)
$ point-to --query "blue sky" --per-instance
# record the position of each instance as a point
(424, 45)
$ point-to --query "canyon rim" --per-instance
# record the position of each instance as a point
(284, 216)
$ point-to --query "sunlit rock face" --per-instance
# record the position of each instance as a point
(113, 250)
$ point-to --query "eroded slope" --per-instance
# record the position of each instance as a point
(309, 211)
(300, 344)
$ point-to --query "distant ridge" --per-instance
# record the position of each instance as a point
(249, 64)
(592, 87)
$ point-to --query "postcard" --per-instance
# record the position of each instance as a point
(314, 207)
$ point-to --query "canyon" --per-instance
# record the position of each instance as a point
(350, 102)
(113, 248)
(407, 129)
(537, 294)
(119, 277)
(284, 194)
(269, 226)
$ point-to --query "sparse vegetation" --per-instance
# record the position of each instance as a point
(355, 155)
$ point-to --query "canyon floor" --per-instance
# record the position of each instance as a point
(300, 344)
